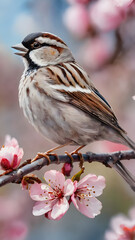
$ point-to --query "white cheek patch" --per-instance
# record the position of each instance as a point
(43, 56)
(77, 88)
(36, 57)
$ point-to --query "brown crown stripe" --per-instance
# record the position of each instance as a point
(79, 72)
(51, 36)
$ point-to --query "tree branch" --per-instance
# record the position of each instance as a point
(28, 166)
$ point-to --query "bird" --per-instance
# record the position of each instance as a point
(59, 99)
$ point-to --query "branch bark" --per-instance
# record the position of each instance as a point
(28, 166)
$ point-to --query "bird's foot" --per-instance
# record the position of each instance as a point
(48, 153)
(71, 158)
(45, 155)
(6, 172)
(76, 151)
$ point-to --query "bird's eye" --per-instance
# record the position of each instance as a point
(36, 45)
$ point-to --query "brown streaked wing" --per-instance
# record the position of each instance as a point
(95, 107)
(92, 103)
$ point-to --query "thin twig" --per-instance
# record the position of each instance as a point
(28, 166)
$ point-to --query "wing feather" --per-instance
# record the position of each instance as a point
(82, 94)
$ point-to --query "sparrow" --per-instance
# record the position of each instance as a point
(60, 101)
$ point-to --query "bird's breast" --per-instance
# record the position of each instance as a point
(55, 119)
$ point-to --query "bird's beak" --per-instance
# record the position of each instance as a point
(21, 48)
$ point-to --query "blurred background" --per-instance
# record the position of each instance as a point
(101, 36)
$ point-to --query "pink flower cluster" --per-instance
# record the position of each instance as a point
(110, 14)
(123, 228)
(102, 17)
(10, 154)
(76, 20)
(51, 198)
(98, 50)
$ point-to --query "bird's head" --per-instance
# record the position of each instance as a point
(42, 49)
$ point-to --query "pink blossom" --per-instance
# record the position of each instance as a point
(13, 220)
(12, 206)
(106, 15)
(10, 142)
(84, 197)
(122, 228)
(123, 3)
(16, 230)
(10, 154)
(98, 50)
(132, 8)
(51, 198)
(76, 20)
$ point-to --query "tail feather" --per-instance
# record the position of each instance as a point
(119, 167)
(128, 141)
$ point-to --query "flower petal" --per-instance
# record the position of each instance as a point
(121, 227)
(40, 192)
(68, 187)
(132, 213)
(54, 178)
(41, 208)
(11, 142)
(94, 184)
(111, 236)
(15, 230)
(117, 221)
(9, 153)
(48, 216)
(60, 208)
(89, 208)
(20, 153)
(14, 161)
(74, 200)
(5, 164)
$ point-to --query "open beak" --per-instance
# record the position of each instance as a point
(21, 48)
